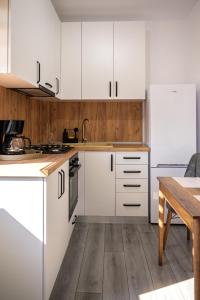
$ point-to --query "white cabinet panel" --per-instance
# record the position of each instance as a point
(97, 60)
(99, 184)
(132, 204)
(132, 158)
(129, 60)
(132, 185)
(21, 235)
(71, 61)
(131, 171)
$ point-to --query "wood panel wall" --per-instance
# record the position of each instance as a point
(108, 121)
(44, 120)
(35, 113)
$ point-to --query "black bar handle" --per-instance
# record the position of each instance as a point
(132, 172)
(38, 71)
(116, 89)
(110, 89)
(63, 181)
(131, 157)
(49, 84)
(111, 161)
(131, 204)
(57, 86)
(132, 185)
(59, 185)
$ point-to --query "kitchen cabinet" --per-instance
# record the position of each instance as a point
(113, 60)
(71, 61)
(97, 60)
(30, 36)
(100, 183)
(129, 60)
(131, 184)
(34, 233)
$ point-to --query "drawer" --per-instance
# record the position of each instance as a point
(132, 204)
(132, 185)
(131, 171)
(132, 158)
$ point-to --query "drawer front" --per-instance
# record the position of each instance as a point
(131, 171)
(132, 158)
(132, 204)
(132, 185)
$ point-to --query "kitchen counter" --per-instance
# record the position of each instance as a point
(48, 163)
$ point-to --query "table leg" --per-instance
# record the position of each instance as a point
(161, 226)
(196, 249)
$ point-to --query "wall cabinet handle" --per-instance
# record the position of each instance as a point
(132, 185)
(131, 157)
(116, 89)
(132, 172)
(132, 204)
(38, 71)
(110, 89)
(111, 163)
(57, 86)
(49, 84)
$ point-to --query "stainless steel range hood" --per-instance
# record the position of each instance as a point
(40, 91)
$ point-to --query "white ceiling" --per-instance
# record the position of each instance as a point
(87, 10)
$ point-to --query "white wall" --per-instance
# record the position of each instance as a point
(193, 56)
(166, 53)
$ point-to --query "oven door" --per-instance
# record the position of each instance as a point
(73, 189)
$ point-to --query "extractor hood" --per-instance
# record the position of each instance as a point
(39, 91)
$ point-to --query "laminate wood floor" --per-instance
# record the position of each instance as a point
(120, 262)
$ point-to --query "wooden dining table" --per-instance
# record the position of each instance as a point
(183, 194)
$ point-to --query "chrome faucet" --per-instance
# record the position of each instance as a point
(84, 139)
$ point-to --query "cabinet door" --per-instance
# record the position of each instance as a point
(129, 60)
(99, 183)
(71, 61)
(56, 225)
(97, 60)
(21, 236)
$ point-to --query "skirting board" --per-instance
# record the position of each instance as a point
(113, 219)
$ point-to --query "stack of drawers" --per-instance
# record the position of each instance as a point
(131, 183)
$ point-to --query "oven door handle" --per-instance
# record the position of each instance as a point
(63, 182)
(74, 170)
(60, 184)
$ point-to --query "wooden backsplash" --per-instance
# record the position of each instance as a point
(108, 121)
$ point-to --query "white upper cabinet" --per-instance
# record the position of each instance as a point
(71, 61)
(97, 60)
(30, 34)
(129, 60)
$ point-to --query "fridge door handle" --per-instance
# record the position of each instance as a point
(171, 166)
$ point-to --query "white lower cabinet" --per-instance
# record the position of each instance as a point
(132, 184)
(100, 183)
(34, 234)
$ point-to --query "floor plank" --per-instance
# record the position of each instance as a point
(113, 238)
(88, 296)
(163, 277)
(91, 275)
(139, 277)
(115, 285)
(66, 283)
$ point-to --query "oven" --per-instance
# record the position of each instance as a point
(74, 166)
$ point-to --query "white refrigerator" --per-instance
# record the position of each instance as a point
(171, 114)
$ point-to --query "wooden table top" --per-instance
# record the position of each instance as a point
(184, 196)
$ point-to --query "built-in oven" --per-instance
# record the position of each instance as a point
(74, 166)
